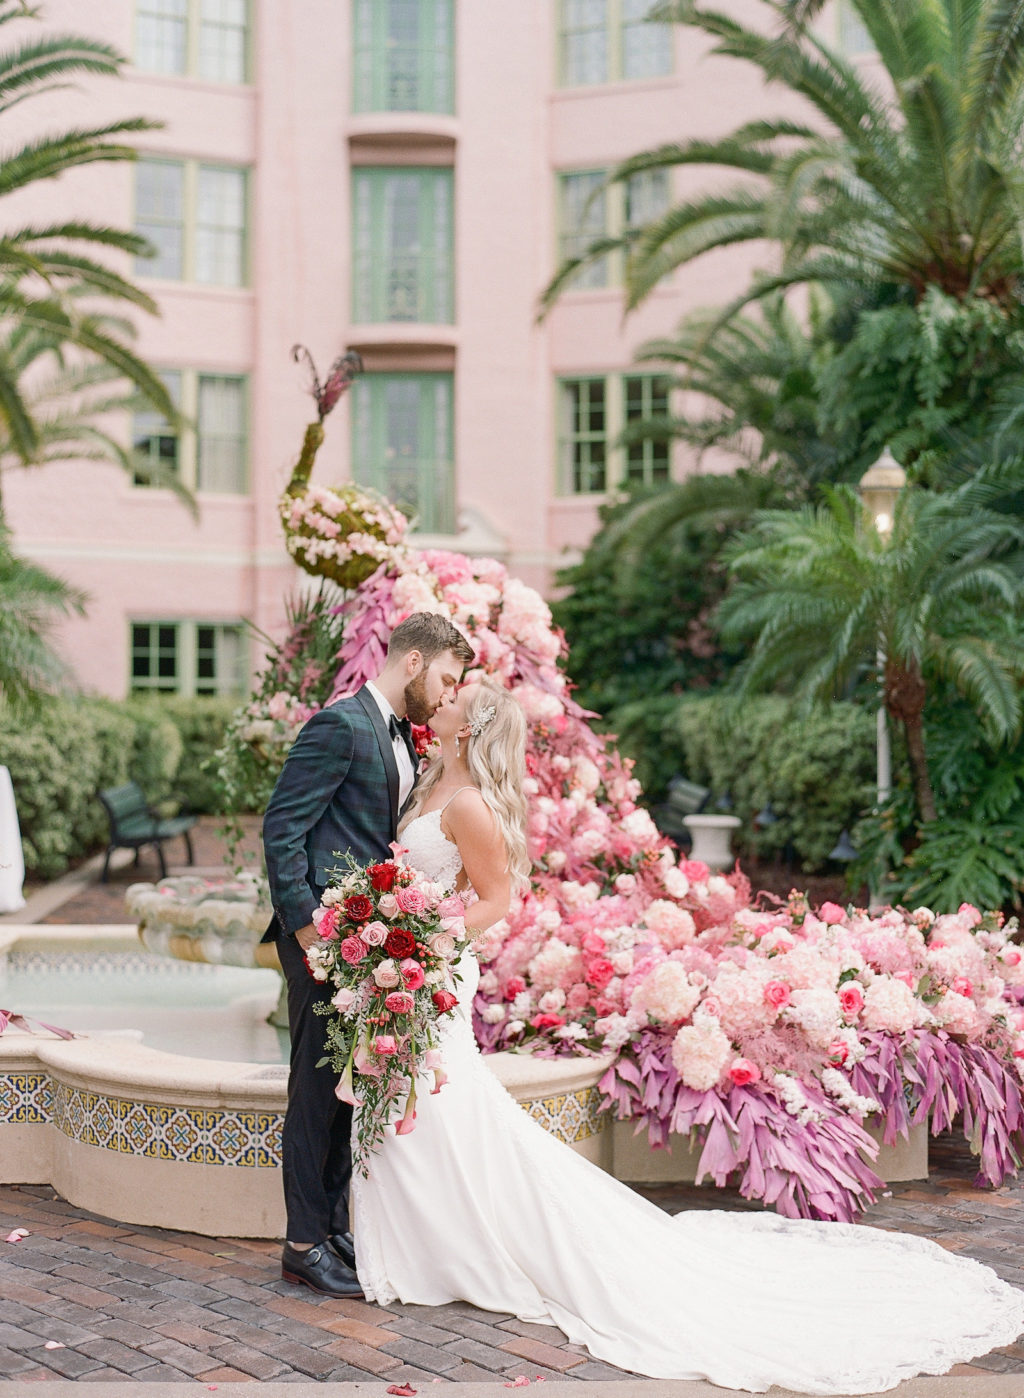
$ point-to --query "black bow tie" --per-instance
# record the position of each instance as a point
(400, 728)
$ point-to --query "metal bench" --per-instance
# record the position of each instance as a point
(684, 798)
(133, 823)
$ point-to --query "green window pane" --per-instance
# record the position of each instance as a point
(645, 396)
(403, 56)
(583, 218)
(223, 33)
(161, 35)
(646, 46)
(584, 447)
(222, 435)
(645, 196)
(403, 245)
(584, 42)
(153, 437)
(402, 444)
(220, 226)
(160, 217)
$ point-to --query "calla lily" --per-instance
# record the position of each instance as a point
(345, 1090)
(408, 1121)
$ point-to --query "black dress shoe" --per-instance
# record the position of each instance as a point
(321, 1270)
(343, 1244)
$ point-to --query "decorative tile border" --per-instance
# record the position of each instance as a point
(570, 1116)
(187, 1135)
(26, 1099)
(145, 965)
(211, 1136)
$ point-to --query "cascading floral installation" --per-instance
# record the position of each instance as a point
(769, 1035)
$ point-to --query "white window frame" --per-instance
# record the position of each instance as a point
(189, 435)
(614, 28)
(186, 653)
(189, 222)
(614, 199)
(615, 455)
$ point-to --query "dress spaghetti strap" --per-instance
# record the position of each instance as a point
(451, 798)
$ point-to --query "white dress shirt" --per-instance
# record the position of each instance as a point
(406, 774)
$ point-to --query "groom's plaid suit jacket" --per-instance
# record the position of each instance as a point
(337, 792)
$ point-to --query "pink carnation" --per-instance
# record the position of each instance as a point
(399, 1002)
(411, 900)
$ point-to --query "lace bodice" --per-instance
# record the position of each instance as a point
(430, 850)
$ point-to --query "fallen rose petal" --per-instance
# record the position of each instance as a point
(520, 1381)
(54, 1344)
(403, 1390)
(17, 1235)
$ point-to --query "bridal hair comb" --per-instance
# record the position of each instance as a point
(482, 719)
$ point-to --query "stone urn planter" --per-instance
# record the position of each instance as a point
(711, 839)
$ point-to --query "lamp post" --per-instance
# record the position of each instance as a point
(879, 487)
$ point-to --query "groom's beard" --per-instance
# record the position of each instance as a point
(418, 707)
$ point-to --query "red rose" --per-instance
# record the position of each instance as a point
(547, 1021)
(422, 737)
(515, 986)
(399, 943)
(358, 908)
(444, 1000)
(383, 876)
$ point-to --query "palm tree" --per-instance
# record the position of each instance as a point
(31, 602)
(898, 185)
(819, 593)
(49, 270)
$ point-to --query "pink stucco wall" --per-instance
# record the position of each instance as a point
(137, 552)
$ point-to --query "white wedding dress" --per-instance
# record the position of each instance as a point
(480, 1204)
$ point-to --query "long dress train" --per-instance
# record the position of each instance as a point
(480, 1204)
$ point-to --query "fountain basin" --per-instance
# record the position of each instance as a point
(151, 1137)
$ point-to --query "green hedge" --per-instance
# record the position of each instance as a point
(62, 754)
(817, 771)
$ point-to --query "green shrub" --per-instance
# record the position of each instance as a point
(200, 725)
(817, 771)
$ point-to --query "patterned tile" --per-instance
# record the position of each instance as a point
(569, 1116)
(26, 1099)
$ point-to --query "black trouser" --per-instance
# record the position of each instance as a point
(316, 1150)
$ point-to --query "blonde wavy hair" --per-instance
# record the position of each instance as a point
(496, 755)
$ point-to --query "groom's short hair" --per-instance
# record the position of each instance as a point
(431, 635)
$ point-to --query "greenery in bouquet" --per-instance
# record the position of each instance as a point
(388, 942)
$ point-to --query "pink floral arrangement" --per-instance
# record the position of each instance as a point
(770, 1035)
(343, 533)
(388, 943)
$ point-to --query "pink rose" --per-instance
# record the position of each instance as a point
(387, 905)
(963, 986)
(344, 999)
(514, 986)
(384, 1045)
(451, 907)
(1010, 955)
(777, 994)
(386, 975)
(592, 943)
(695, 870)
(599, 972)
(399, 1002)
(411, 900)
(970, 912)
(831, 913)
(442, 944)
(837, 1051)
(412, 973)
(742, 1072)
(374, 934)
(578, 998)
(326, 922)
(711, 1005)
(851, 1000)
(353, 949)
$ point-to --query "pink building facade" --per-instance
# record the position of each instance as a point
(398, 176)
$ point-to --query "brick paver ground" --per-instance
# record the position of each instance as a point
(146, 1304)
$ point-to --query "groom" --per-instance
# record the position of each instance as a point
(345, 780)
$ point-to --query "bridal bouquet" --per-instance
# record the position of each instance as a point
(388, 941)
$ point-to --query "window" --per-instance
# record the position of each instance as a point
(593, 412)
(604, 41)
(187, 657)
(404, 56)
(214, 456)
(854, 38)
(403, 245)
(587, 211)
(645, 396)
(195, 215)
(153, 437)
(402, 444)
(207, 39)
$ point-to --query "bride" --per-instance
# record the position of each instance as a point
(480, 1204)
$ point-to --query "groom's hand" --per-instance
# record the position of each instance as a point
(306, 936)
